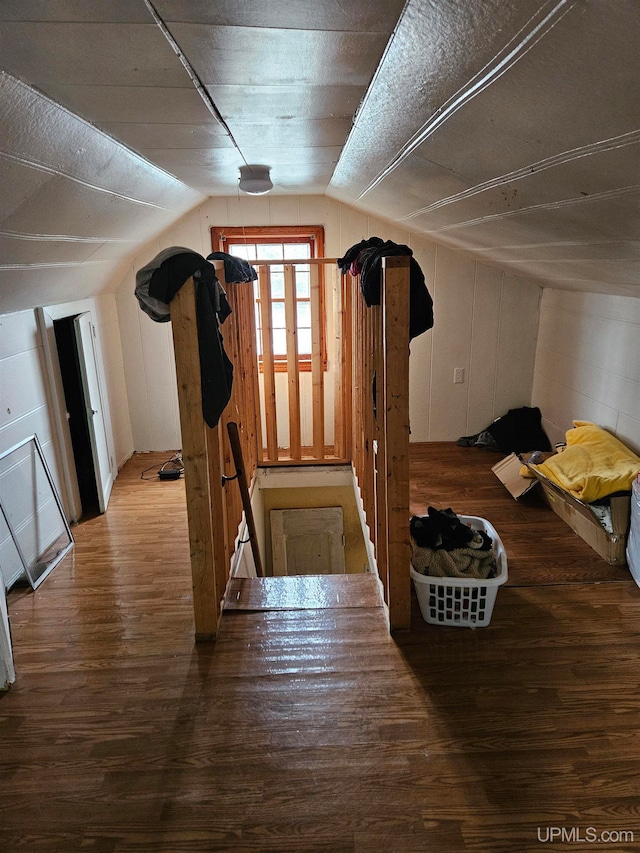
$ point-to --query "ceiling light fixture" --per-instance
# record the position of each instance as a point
(255, 180)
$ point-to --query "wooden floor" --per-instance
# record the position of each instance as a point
(313, 731)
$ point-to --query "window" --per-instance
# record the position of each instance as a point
(281, 244)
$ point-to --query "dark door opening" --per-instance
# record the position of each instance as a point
(76, 404)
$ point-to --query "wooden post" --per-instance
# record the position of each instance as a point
(395, 320)
(206, 596)
(317, 373)
(380, 458)
(340, 371)
(292, 361)
(268, 370)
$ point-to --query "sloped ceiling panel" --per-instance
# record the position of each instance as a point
(526, 153)
(75, 203)
(508, 128)
(286, 77)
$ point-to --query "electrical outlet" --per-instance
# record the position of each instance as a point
(458, 375)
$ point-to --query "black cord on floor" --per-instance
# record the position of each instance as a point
(172, 464)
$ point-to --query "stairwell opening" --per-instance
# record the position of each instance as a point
(309, 521)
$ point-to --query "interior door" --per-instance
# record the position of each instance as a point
(308, 541)
(85, 338)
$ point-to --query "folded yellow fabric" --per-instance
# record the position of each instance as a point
(593, 465)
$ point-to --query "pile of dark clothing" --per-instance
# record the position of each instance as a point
(442, 545)
(365, 259)
(518, 431)
(159, 281)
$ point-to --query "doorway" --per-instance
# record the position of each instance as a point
(74, 337)
(76, 403)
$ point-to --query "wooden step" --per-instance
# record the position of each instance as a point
(308, 592)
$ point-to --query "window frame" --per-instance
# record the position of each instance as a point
(311, 235)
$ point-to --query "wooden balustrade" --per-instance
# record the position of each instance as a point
(379, 374)
(372, 432)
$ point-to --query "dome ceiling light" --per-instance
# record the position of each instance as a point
(255, 180)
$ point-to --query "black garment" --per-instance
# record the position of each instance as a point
(352, 254)
(368, 255)
(442, 529)
(236, 270)
(168, 272)
(518, 431)
(216, 370)
(481, 439)
(172, 273)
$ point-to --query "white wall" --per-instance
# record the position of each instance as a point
(28, 401)
(485, 321)
(25, 409)
(588, 363)
(104, 316)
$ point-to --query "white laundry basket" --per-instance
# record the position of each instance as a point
(464, 602)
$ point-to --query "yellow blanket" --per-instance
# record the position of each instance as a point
(593, 465)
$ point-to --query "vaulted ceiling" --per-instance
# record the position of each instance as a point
(509, 129)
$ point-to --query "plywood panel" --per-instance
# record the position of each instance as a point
(516, 344)
(22, 382)
(159, 375)
(484, 349)
(453, 310)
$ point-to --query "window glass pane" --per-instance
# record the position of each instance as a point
(278, 315)
(281, 250)
(270, 251)
(279, 342)
(303, 283)
(304, 314)
(304, 341)
(277, 283)
(241, 251)
(297, 250)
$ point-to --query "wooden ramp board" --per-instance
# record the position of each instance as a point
(309, 592)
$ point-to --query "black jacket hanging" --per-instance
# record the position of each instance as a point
(156, 285)
(366, 257)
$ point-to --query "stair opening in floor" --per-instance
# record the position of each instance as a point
(309, 521)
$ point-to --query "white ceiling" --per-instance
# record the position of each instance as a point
(510, 129)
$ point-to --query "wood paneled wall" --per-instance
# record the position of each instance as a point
(485, 321)
(588, 363)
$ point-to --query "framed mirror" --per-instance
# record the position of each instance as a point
(34, 532)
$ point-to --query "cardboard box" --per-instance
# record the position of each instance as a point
(508, 472)
(580, 518)
(610, 546)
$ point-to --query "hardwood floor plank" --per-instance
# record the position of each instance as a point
(303, 592)
(313, 730)
(540, 547)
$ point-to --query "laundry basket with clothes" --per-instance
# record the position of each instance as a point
(457, 565)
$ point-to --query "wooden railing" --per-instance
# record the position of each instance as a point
(376, 362)
(368, 342)
(300, 406)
